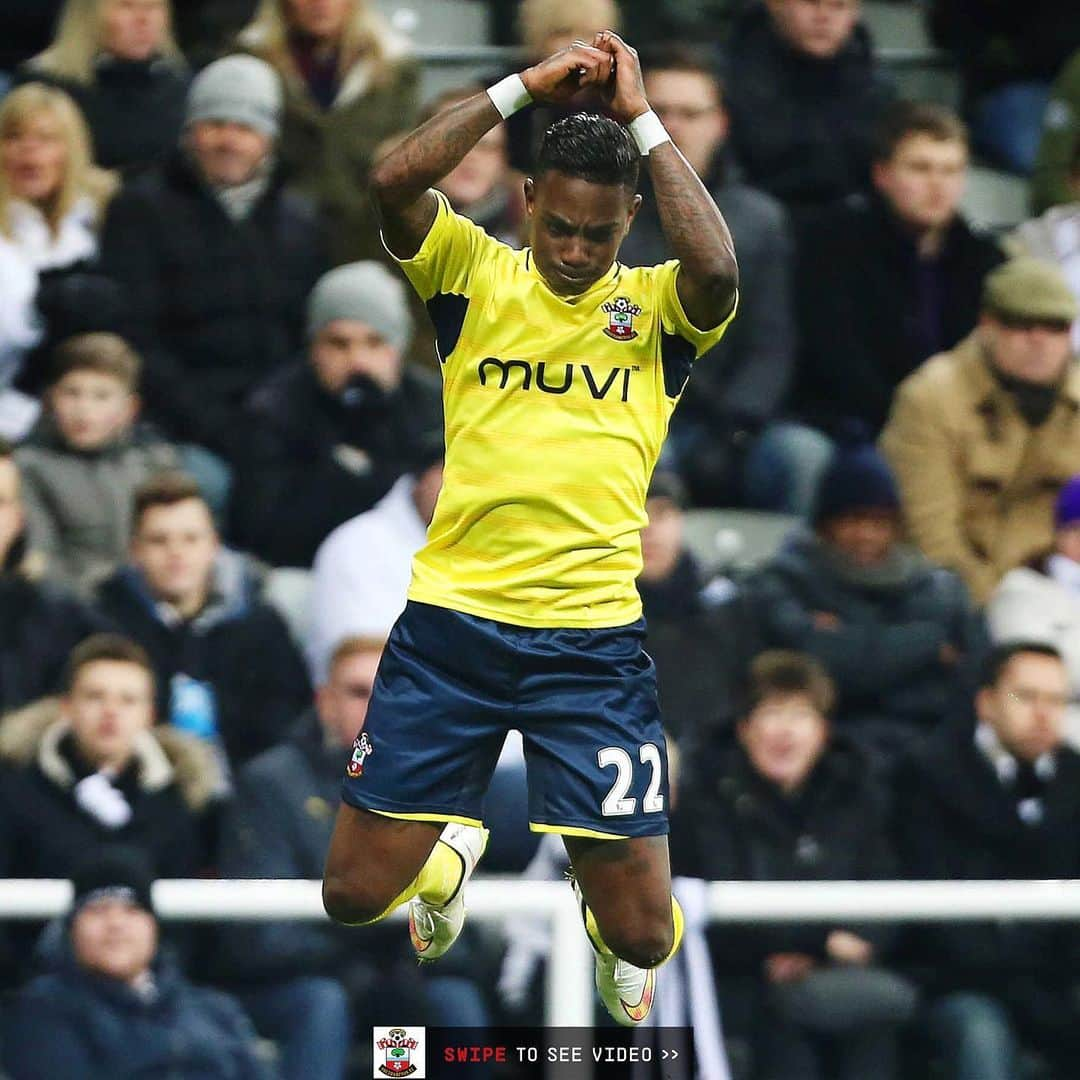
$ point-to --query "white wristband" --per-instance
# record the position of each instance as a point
(509, 95)
(648, 132)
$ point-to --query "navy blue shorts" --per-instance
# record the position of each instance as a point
(449, 688)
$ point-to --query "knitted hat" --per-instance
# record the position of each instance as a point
(1067, 507)
(857, 478)
(238, 90)
(363, 292)
(1029, 288)
(667, 485)
(114, 872)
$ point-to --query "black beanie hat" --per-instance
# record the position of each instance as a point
(113, 873)
(857, 478)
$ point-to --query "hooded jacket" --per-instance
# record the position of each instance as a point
(238, 646)
(893, 620)
(78, 504)
(215, 303)
(81, 1025)
(801, 128)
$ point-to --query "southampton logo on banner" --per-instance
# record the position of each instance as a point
(399, 1052)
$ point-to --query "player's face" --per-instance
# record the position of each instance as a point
(1027, 706)
(924, 180)
(820, 28)
(575, 228)
(343, 701)
(688, 102)
(783, 738)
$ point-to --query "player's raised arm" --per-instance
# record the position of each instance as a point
(402, 179)
(692, 222)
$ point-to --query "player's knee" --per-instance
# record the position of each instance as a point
(645, 944)
(351, 900)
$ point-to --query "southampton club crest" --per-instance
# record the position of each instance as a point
(361, 748)
(620, 313)
(397, 1047)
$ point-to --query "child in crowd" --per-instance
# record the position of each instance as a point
(86, 457)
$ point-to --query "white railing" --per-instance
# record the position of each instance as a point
(569, 999)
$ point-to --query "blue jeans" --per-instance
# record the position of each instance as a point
(309, 1019)
(1007, 124)
(783, 467)
(974, 1036)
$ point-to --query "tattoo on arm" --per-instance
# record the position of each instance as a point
(698, 235)
(403, 176)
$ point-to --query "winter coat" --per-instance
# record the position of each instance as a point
(741, 383)
(237, 647)
(80, 1025)
(731, 825)
(329, 152)
(216, 304)
(78, 505)
(47, 829)
(955, 819)
(885, 655)
(134, 108)
(978, 483)
(678, 596)
(1051, 180)
(40, 624)
(858, 291)
(801, 128)
(299, 477)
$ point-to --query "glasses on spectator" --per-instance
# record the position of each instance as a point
(1035, 697)
(1024, 322)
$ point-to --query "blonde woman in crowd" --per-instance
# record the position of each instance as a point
(545, 26)
(51, 201)
(349, 84)
(118, 60)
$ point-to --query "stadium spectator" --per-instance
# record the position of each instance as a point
(51, 200)
(791, 801)
(1041, 602)
(1008, 56)
(1055, 235)
(39, 622)
(1058, 163)
(997, 797)
(738, 387)
(349, 84)
(887, 281)
(226, 665)
(117, 1004)
(893, 630)
(983, 437)
(90, 767)
(279, 826)
(804, 93)
(329, 435)
(362, 569)
(84, 460)
(216, 257)
(544, 27)
(118, 61)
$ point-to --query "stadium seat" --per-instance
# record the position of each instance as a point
(735, 539)
(288, 589)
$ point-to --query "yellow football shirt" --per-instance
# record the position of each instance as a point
(555, 412)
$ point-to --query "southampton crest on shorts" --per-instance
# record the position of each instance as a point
(620, 313)
(361, 748)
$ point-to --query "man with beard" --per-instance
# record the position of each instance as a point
(330, 435)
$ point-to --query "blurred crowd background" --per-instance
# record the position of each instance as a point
(222, 443)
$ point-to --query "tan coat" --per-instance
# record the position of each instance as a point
(978, 484)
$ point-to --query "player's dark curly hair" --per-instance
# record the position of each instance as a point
(591, 148)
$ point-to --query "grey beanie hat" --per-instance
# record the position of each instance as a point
(239, 90)
(366, 292)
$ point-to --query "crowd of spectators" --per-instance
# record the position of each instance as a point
(212, 378)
